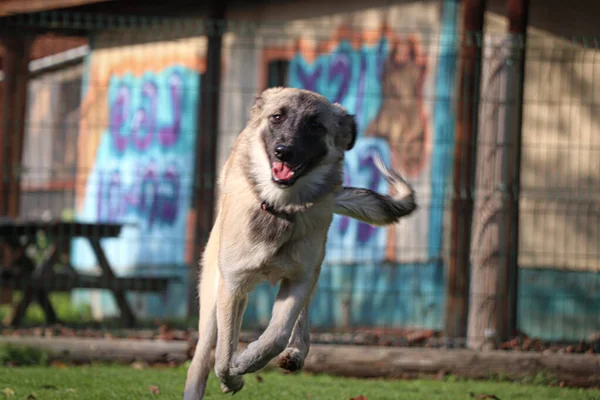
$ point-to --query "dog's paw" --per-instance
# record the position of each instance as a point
(232, 384)
(291, 359)
(237, 365)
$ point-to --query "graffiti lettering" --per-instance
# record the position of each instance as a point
(152, 196)
(344, 76)
(308, 79)
(170, 133)
(137, 128)
(360, 96)
(118, 116)
(144, 119)
(340, 66)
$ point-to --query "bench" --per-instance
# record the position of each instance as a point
(19, 272)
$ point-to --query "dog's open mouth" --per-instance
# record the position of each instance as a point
(285, 174)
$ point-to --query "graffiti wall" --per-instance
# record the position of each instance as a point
(135, 162)
(383, 84)
(394, 80)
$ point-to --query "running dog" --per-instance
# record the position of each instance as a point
(279, 190)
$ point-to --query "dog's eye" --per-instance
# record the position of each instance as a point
(277, 118)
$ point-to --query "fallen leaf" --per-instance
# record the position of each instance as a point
(484, 396)
(154, 389)
(58, 364)
(259, 379)
(31, 396)
(70, 390)
(359, 398)
(138, 365)
(48, 387)
(8, 392)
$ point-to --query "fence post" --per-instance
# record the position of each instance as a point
(518, 18)
(457, 278)
(493, 297)
(206, 146)
(13, 102)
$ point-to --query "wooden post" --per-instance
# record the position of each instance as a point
(493, 296)
(206, 146)
(518, 17)
(457, 279)
(13, 102)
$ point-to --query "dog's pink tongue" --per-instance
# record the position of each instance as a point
(281, 171)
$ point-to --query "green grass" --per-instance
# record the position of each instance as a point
(74, 316)
(65, 310)
(122, 382)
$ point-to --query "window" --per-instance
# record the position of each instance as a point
(278, 73)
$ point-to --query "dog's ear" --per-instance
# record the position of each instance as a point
(262, 98)
(346, 137)
(351, 131)
(259, 102)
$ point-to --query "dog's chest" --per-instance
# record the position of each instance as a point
(266, 227)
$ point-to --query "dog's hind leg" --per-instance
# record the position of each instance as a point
(291, 300)
(296, 351)
(200, 367)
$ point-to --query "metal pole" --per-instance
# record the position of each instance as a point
(518, 17)
(206, 146)
(457, 280)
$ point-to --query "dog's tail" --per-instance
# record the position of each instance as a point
(201, 365)
(373, 208)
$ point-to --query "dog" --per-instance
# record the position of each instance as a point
(279, 189)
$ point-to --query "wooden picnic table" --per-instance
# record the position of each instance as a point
(36, 281)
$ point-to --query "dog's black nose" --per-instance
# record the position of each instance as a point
(283, 153)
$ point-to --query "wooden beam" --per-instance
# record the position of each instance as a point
(10, 7)
(13, 101)
(495, 270)
(206, 146)
(457, 279)
(344, 360)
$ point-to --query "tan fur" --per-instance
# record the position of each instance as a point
(238, 257)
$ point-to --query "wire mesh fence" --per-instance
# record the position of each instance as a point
(104, 163)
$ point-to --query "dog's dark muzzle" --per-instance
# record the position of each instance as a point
(285, 167)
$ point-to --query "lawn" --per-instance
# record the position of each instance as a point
(122, 382)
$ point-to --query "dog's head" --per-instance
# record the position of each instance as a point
(302, 138)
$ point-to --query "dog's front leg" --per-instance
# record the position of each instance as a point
(296, 351)
(291, 299)
(229, 304)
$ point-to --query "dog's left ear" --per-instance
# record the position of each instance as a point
(348, 132)
(346, 137)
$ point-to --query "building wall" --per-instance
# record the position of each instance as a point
(49, 154)
(136, 154)
(365, 58)
(559, 226)
(381, 63)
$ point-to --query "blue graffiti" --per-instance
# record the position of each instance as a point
(153, 195)
(351, 77)
(350, 241)
(143, 168)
